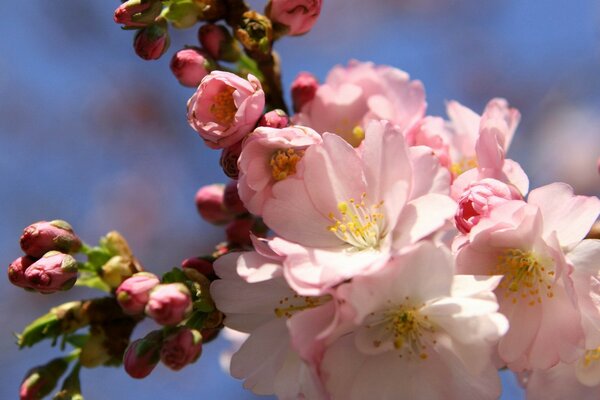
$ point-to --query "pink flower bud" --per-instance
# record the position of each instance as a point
(298, 16)
(152, 42)
(43, 236)
(225, 108)
(274, 119)
(238, 232)
(232, 201)
(133, 294)
(142, 355)
(304, 89)
(182, 348)
(190, 65)
(204, 265)
(53, 272)
(218, 42)
(137, 13)
(209, 202)
(41, 380)
(229, 160)
(479, 199)
(16, 271)
(169, 304)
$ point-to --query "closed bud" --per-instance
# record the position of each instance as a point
(16, 271)
(137, 13)
(229, 160)
(53, 272)
(181, 348)
(151, 42)
(169, 304)
(191, 65)
(116, 270)
(232, 201)
(304, 89)
(256, 32)
(218, 42)
(238, 232)
(293, 17)
(209, 203)
(142, 355)
(203, 265)
(41, 380)
(133, 294)
(43, 236)
(274, 119)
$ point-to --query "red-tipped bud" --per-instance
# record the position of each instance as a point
(16, 271)
(133, 294)
(209, 202)
(152, 42)
(43, 236)
(229, 160)
(204, 265)
(295, 16)
(53, 272)
(218, 42)
(304, 89)
(142, 355)
(40, 381)
(232, 201)
(169, 304)
(274, 119)
(191, 65)
(181, 348)
(137, 13)
(238, 232)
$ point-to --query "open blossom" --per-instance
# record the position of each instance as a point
(537, 247)
(270, 156)
(298, 16)
(169, 304)
(225, 108)
(422, 333)
(352, 207)
(353, 96)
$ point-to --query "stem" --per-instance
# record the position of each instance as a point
(267, 63)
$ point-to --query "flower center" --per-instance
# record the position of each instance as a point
(526, 276)
(360, 225)
(591, 356)
(283, 163)
(288, 306)
(463, 165)
(223, 107)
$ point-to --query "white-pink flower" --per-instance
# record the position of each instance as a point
(225, 108)
(269, 156)
(353, 96)
(422, 333)
(353, 206)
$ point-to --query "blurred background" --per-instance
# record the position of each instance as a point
(94, 135)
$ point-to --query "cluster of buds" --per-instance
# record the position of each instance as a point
(47, 266)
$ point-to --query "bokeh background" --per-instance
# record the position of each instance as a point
(94, 135)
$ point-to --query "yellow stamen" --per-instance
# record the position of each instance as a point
(283, 163)
(289, 306)
(591, 356)
(223, 106)
(463, 165)
(526, 276)
(360, 225)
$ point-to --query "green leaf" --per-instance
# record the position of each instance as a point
(246, 66)
(77, 340)
(46, 326)
(173, 276)
(204, 305)
(196, 321)
(92, 281)
(98, 256)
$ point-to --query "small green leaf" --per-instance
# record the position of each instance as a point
(98, 256)
(77, 340)
(196, 321)
(204, 305)
(93, 281)
(173, 276)
(46, 326)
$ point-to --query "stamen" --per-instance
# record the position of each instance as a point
(526, 276)
(591, 356)
(289, 306)
(223, 107)
(283, 163)
(463, 165)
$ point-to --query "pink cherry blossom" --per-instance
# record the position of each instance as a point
(169, 303)
(353, 96)
(270, 156)
(225, 108)
(422, 333)
(352, 206)
(298, 16)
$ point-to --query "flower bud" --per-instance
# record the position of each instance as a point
(209, 202)
(238, 232)
(181, 348)
(218, 42)
(296, 17)
(53, 272)
(304, 89)
(169, 304)
(41, 380)
(191, 65)
(16, 271)
(229, 160)
(479, 199)
(255, 32)
(142, 355)
(133, 294)
(151, 42)
(203, 265)
(116, 270)
(43, 236)
(137, 13)
(209, 334)
(94, 352)
(274, 119)
(232, 201)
